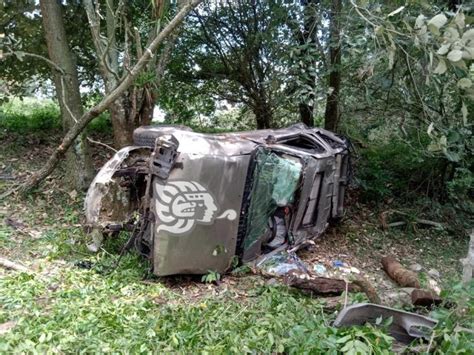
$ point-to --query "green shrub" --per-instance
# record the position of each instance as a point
(101, 124)
(396, 168)
(29, 115)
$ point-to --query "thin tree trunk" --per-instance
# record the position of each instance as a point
(331, 117)
(306, 114)
(263, 113)
(124, 84)
(79, 167)
(122, 126)
(308, 35)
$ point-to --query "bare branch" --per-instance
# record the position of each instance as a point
(102, 144)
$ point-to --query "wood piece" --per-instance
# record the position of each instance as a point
(368, 289)
(322, 286)
(425, 298)
(399, 274)
(14, 266)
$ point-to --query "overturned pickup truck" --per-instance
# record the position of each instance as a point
(197, 202)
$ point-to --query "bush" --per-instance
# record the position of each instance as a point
(396, 168)
(29, 115)
(101, 124)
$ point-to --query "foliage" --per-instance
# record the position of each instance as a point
(29, 115)
(397, 168)
(80, 310)
(231, 52)
(25, 75)
(32, 115)
(417, 65)
(211, 277)
(453, 334)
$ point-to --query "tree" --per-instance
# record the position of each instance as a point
(155, 40)
(117, 45)
(233, 51)
(79, 168)
(309, 54)
(331, 116)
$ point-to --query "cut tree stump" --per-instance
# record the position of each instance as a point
(399, 274)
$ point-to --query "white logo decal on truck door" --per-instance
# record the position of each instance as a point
(183, 204)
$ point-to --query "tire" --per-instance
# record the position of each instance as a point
(146, 136)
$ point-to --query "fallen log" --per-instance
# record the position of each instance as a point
(399, 274)
(368, 289)
(425, 298)
(321, 286)
(7, 264)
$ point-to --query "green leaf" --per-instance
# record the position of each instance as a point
(460, 20)
(437, 22)
(444, 49)
(455, 55)
(451, 34)
(441, 67)
(464, 113)
(464, 83)
(468, 38)
(344, 339)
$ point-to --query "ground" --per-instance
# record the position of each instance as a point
(78, 301)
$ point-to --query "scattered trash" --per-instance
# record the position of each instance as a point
(405, 326)
(320, 269)
(337, 263)
(434, 273)
(281, 262)
(354, 270)
(416, 267)
(399, 274)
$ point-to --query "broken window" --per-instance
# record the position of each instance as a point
(275, 181)
(304, 143)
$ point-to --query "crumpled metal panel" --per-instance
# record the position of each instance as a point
(106, 202)
(405, 326)
(197, 213)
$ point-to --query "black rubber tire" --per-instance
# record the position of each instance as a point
(146, 136)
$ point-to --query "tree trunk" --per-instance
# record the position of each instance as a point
(129, 112)
(121, 125)
(331, 117)
(306, 114)
(79, 168)
(308, 35)
(263, 114)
